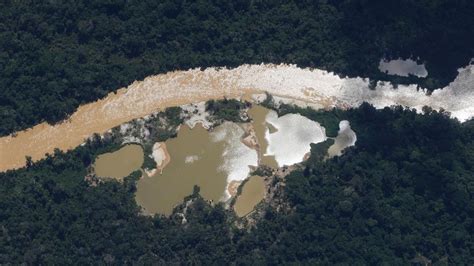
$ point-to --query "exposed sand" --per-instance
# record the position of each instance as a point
(233, 187)
(250, 138)
(191, 158)
(317, 87)
(196, 114)
(161, 156)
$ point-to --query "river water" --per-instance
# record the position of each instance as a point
(314, 86)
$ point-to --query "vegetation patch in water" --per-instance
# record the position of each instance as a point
(227, 110)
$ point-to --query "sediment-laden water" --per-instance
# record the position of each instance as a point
(253, 192)
(209, 160)
(259, 114)
(218, 160)
(120, 163)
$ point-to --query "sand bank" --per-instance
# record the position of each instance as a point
(161, 156)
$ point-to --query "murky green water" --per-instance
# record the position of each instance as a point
(252, 193)
(120, 163)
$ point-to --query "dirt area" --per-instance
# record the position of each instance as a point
(250, 138)
(233, 187)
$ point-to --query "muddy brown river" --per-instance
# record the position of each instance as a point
(313, 86)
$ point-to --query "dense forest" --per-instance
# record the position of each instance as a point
(403, 194)
(56, 55)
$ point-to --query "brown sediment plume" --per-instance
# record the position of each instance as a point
(120, 163)
(259, 125)
(139, 99)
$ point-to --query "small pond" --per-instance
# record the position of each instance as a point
(120, 163)
(253, 192)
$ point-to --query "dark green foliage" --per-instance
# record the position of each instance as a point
(173, 116)
(148, 161)
(319, 151)
(55, 55)
(50, 215)
(407, 188)
(226, 110)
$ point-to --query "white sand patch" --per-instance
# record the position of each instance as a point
(196, 113)
(403, 68)
(130, 139)
(161, 157)
(259, 97)
(158, 154)
(191, 158)
(283, 100)
(346, 137)
(293, 137)
(236, 155)
(124, 128)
